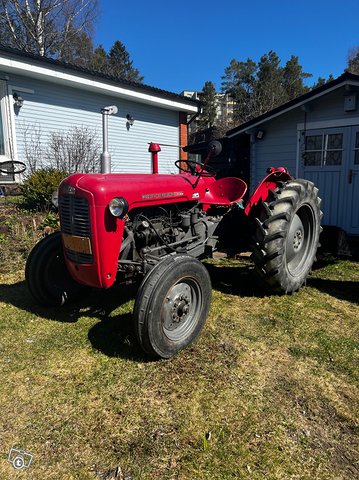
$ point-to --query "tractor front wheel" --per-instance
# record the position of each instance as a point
(46, 274)
(172, 305)
(287, 228)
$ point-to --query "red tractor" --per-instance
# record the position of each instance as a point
(155, 228)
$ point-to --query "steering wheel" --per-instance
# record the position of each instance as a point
(193, 167)
(10, 167)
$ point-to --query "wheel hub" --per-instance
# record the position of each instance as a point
(180, 309)
(298, 240)
(177, 306)
(295, 239)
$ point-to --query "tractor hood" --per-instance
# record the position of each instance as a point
(139, 189)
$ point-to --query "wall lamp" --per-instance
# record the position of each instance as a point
(18, 101)
(130, 121)
(260, 134)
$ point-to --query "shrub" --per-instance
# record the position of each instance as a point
(38, 188)
(50, 223)
(19, 231)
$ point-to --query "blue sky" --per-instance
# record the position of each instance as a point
(180, 45)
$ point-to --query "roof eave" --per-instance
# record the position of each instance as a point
(55, 73)
(281, 110)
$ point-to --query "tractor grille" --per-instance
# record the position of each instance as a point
(75, 220)
(79, 258)
(74, 215)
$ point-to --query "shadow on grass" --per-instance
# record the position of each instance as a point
(235, 280)
(98, 303)
(343, 290)
(324, 261)
(112, 335)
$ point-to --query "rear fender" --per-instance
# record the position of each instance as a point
(275, 175)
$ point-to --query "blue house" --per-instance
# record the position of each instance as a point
(41, 96)
(316, 136)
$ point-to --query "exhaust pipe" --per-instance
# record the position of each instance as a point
(105, 155)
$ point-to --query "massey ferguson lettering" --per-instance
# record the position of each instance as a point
(150, 196)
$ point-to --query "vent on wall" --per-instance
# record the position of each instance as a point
(350, 102)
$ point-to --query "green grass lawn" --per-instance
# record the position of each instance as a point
(269, 391)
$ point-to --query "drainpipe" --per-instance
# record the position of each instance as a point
(199, 111)
(105, 155)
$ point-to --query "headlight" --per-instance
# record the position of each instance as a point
(55, 198)
(118, 207)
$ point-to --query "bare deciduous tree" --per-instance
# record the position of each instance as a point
(45, 27)
(33, 147)
(76, 150)
(353, 60)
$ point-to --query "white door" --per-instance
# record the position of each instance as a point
(352, 184)
(324, 161)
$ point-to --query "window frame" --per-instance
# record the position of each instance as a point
(324, 148)
(356, 148)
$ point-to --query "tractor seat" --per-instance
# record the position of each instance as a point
(226, 191)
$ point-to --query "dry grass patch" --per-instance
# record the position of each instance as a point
(269, 391)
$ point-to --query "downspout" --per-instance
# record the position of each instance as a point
(252, 161)
(297, 155)
(192, 119)
(305, 109)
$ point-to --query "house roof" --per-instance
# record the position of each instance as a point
(15, 60)
(344, 79)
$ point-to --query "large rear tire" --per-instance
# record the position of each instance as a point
(287, 229)
(46, 274)
(172, 305)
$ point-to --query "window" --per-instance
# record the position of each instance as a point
(324, 149)
(356, 149)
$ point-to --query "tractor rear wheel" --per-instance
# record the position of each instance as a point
(46, 274)
(287, 228)
(172, 305)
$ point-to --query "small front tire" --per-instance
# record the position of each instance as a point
(172, 305)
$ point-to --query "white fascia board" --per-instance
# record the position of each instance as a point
(76, 80)
(299, 104)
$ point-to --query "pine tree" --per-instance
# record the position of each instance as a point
(293, 77)
(120, 65)
(239, 81)
(259, 87)
(269, 85)
(209, 112)
(79, 51)
(99, 61)
(322, 81)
